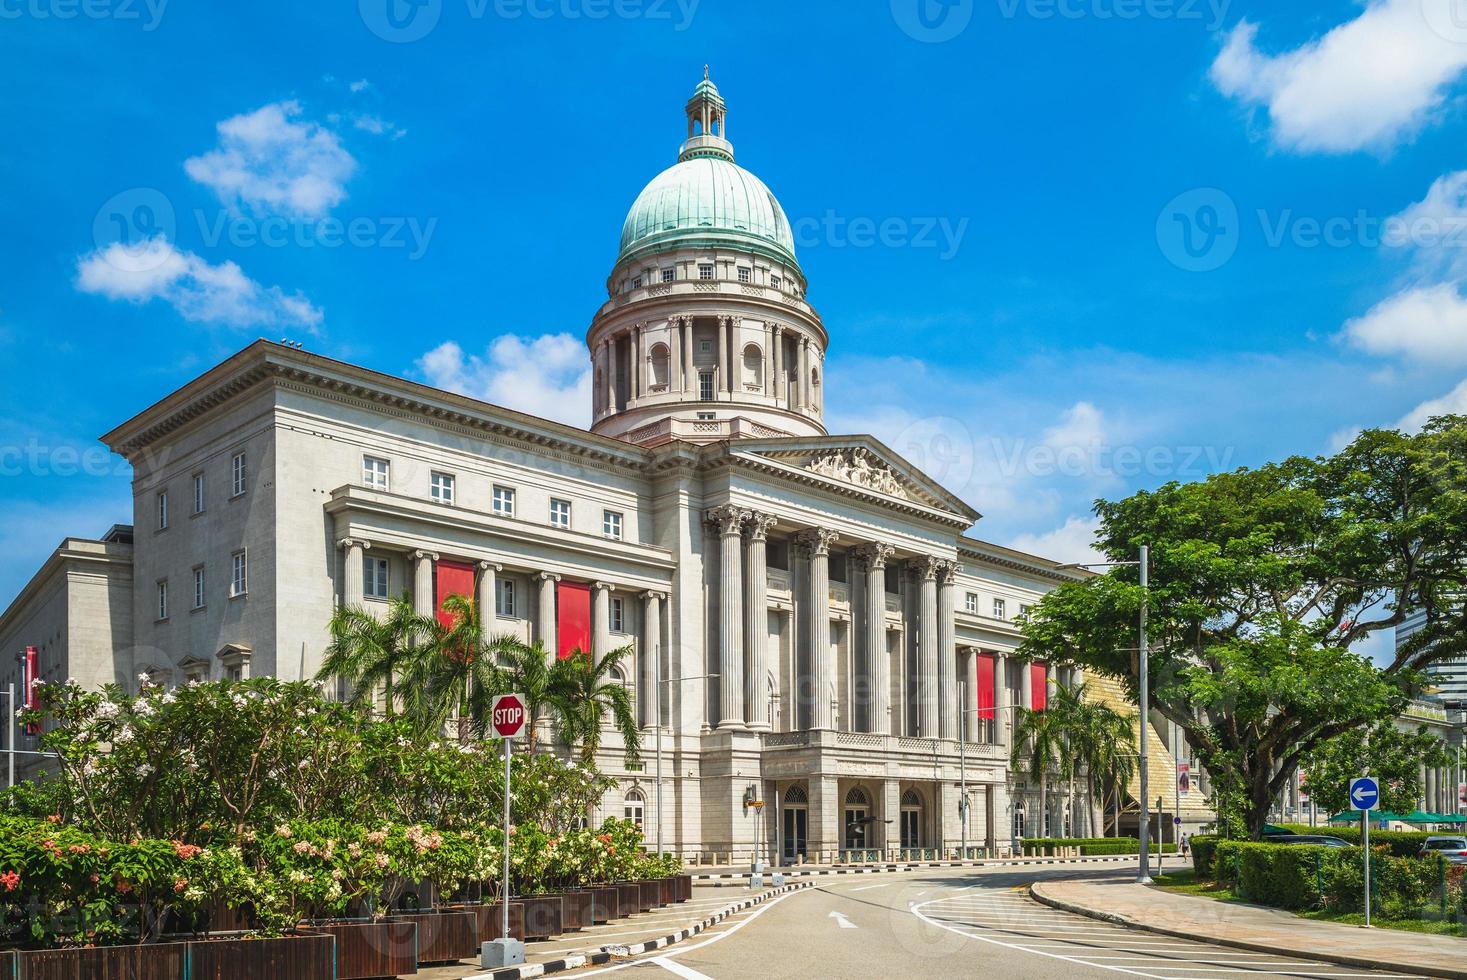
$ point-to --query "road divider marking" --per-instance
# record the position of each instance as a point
(677, 969)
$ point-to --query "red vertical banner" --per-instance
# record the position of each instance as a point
(31, 672)
(573, 618)
(451, 578)
(1039, 679)
(987, 664)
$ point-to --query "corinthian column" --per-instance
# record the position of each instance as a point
(756, 622)
(927, 648)
(647, 694)
(873, 558)
(546, 613)
(600, 618)
(729, 521)
(817, 542)
(725, 369)
(947, 641)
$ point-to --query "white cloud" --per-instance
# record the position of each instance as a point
(1073, 541)
(202, 293)
(378, 126)
(276, 163)
(360, 85)
(1368, 83)
(548, 376)
(1453, 402)
(1423, 323)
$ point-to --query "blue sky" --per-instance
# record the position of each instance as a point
(1122, 241)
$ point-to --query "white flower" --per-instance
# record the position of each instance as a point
(142, 678)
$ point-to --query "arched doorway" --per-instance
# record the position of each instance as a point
(796, 824)
(911, 826)
(857, 821)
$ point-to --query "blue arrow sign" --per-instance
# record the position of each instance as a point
(1364, 793)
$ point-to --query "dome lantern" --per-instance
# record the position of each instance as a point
(707, 124)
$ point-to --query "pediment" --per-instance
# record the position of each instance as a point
(859, 464)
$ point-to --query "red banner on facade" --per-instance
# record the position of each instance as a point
(987, 670)
(1039, 678)
(30, 673)
(573, 618)
(451, 578)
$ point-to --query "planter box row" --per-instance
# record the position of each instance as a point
(306, 956)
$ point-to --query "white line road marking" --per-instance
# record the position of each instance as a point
(687, 973)
(842, 920)
(867, 888)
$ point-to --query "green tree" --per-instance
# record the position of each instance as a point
(590, 693)
(455, 677)
(1263, 580)
(1039, 751)
(1098, 740)
(369, 652)
(542, 680)
(1393, 756)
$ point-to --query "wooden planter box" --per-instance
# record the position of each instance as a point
(444, 937)
(544, 915)
(605, 904)
(374, 949)
(7, 965)
(489, 920)
(305, 957)
(575, 910)
(631, 897)
(668, 889)
(651, 895)
(161, 961)
(685, 887)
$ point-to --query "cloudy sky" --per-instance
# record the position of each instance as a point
(1065, 248)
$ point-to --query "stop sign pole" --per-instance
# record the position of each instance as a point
(508, 717)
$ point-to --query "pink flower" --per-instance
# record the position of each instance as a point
(10, 880)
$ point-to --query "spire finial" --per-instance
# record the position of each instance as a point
(705, 73)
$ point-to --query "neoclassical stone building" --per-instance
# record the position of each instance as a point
(813, 626)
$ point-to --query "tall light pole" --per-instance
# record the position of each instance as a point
(1143, 668)
(657, 714)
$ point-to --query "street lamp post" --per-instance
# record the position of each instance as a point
(1143, 668)
(657, 715)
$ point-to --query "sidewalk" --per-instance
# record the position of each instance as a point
(714, 875)
(1254, 928)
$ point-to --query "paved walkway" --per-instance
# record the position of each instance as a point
(1119, 899)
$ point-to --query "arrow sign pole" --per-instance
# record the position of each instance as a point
(1365, 794)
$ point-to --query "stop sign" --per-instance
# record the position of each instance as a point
(508, 715)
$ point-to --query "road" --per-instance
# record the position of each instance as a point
(940, 924)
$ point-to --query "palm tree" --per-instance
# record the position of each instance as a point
(1039, 749)
(1096, 736)
(457, 677)
(528, 670)
(369, 652)
(592, 691)
(1112, 762)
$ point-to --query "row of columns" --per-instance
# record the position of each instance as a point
(1441, 789)
(683, 374)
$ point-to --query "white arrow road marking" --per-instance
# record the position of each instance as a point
(844, 922)
(687, 973)
(867, 888)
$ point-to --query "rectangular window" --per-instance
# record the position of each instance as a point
(744, 275)
(198, 493)
(970, 603)
(705, 386)
(668, 275)
(199, 594)
(237, 474)
(163, 511)
(442, 487)
(1000, 609)
(637, 283)
(1024, 609)
(375, 472)
(239, 579)
(504, 501)
(705, 272)
(560, 513)
(708, 416)
(374, 578)
(504, 597)
(163, 598)
(775, 281)
(611, 524)
(618, 615)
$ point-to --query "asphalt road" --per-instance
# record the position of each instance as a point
(940, 924)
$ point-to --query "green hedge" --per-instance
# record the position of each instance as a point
(1091, 846)
(1204, 846)
(1402, 843)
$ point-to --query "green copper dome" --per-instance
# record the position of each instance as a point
(707, 201)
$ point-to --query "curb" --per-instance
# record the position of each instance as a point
(610, 952)
(740, 877)
(1342, 959)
